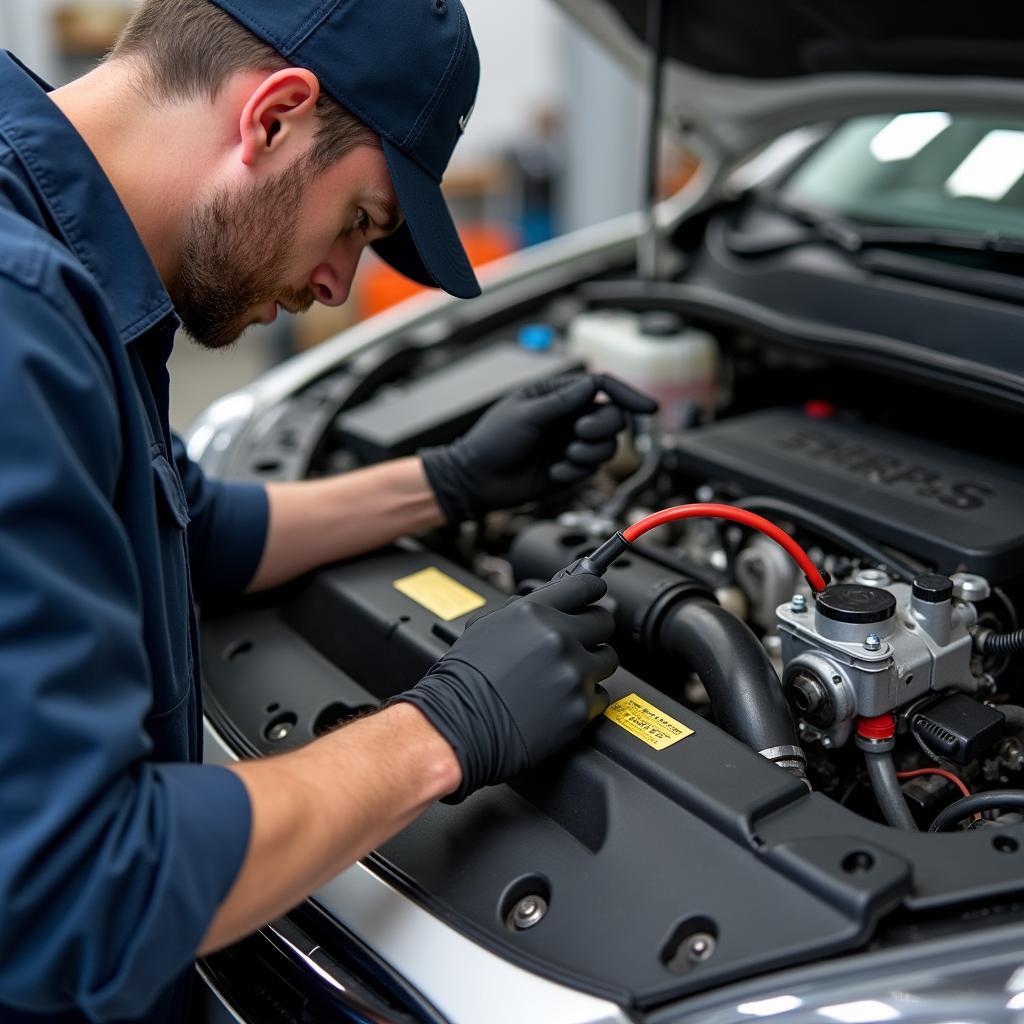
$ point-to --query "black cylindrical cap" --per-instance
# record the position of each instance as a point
(850, 602)
(933, 588)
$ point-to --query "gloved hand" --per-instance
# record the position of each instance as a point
(532, 443)
(520, 683)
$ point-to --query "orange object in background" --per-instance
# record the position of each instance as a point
(379, 287)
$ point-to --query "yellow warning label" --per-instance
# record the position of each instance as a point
(446, 598)
(646, 722)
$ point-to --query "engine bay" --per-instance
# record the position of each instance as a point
(761, 791)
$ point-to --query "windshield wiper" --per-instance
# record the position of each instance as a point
(853, 238)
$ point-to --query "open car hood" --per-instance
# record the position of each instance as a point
(741, 72)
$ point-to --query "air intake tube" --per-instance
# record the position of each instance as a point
(664, 615)
(740, 680)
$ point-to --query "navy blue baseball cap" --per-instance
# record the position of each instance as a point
(409, 70)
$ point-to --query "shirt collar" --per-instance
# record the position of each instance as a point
(88, 214)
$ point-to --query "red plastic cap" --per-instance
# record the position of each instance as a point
(881, 728)
(818, 409)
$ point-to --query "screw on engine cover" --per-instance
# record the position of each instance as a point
(278, 731)
(530, 910)
(872, 642)
(798, 604)
(699, 947)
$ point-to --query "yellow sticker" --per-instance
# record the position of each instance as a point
(447, 598)
(646, 722)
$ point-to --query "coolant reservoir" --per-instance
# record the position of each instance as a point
(655, 352)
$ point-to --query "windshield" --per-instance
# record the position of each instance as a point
(930, 169)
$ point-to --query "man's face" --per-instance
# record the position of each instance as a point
(289, 241)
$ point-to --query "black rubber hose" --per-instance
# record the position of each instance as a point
(994, 800)
(987, 642)
(829, 530)
(887, 790)
(741, 682)
(646, 474)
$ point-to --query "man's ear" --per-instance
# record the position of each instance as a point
(279, 114)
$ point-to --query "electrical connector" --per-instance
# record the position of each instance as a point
(959, 728)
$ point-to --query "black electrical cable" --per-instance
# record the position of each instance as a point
(1012, 621)
(897, 566)
(994, 800)
(633, 486)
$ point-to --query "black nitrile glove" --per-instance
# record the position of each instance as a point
(532, 443)
(520, 683)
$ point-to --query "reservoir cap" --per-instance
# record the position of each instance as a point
(853, 603)
(537, 337)
(932, 588)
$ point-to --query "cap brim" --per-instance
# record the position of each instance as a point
(427, 247)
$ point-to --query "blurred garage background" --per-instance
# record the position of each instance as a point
(526, 171)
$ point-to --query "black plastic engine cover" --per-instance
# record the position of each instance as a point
(446, 402)
(634, 846)
(947, 508)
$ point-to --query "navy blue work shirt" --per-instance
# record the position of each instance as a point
(116, 845)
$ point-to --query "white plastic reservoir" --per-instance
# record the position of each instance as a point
(655, 352)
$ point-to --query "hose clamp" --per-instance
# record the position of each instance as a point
(791, 758)
(875, 746)
(788, 753)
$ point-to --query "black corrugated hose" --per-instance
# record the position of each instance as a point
(987, 642)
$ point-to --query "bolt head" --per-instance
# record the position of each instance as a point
(872, 642)
(700, 947)
(798, 604)
(530, 910)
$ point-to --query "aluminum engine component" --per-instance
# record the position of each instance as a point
(864, 651)
(767, 575)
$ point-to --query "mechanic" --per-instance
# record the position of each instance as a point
(208, 171)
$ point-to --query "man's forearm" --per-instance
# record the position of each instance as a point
(318, 810)
(320, 521)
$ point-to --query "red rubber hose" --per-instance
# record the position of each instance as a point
(736, 515)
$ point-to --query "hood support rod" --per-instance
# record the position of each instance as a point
(647, 253)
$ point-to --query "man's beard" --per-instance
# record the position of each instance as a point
(235, 255)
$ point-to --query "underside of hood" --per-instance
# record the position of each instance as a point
(740, 72)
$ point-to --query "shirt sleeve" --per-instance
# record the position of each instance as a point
(111, 866)
(228, 531)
